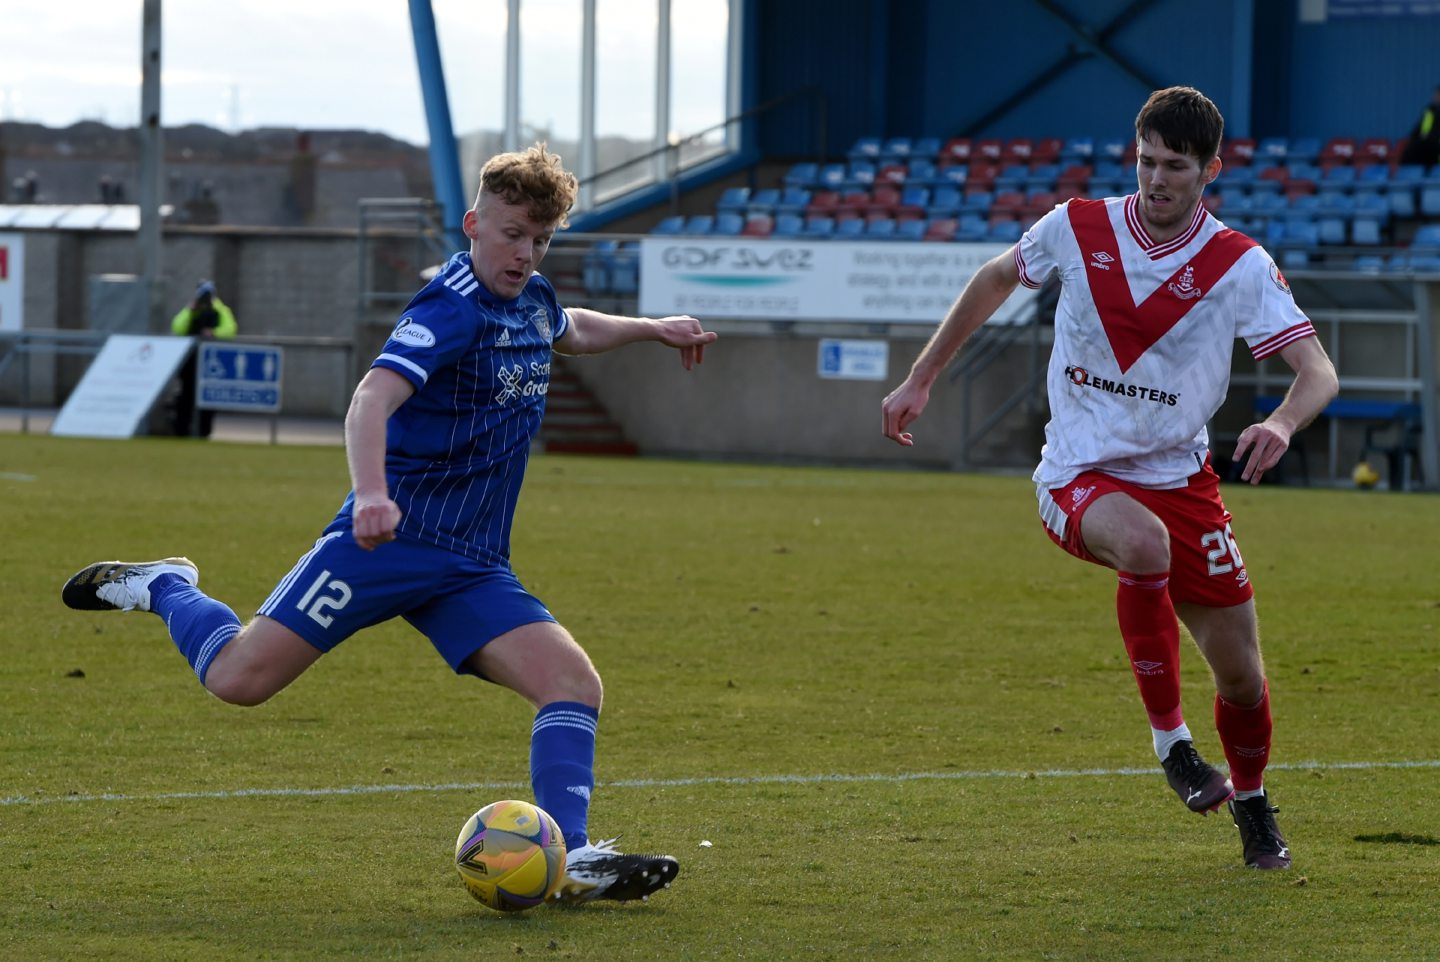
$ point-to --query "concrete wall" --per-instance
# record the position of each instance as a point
(758, 395)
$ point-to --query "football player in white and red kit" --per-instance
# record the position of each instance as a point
(1154, 293)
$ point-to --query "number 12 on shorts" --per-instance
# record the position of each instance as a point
(338, 598)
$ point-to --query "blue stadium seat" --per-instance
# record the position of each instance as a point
(733, 200)
(910, 230)
(700, 224)
(725, 225)
(944, 202)
(920, 172)
(625, 268)
(1305, 149)
(819, 228)
(1042, 176)
(860, 175)
(763, 201)
(793, 200)
(788, 225)
(1304, 207)
(1338, 178)
(865, 148)
(880, 228)
(803, 175)
(1012, 177)
(895, 150)
(850, 229)
(925, 148)
(1426, 239)
(972, 228)
(1276, 149)
(977, 202)
(1368, 264)
(595, 268)
(670, 225)
(832, 177)
(1113, 149)
(1078, 150)
(1372, 216)
(955, 174)
(1005, 232)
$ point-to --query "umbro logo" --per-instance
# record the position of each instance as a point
(1149, 667)
(1102, 260)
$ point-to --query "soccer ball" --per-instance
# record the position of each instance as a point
(510, 855)
(1365, 476)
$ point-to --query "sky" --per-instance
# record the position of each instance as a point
(326, 64)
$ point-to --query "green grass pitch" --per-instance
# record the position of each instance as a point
(902, 718)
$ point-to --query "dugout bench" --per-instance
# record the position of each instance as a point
(1393, 429)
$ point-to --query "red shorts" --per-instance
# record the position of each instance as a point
(1205, 564)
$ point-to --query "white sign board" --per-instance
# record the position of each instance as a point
(881, 281)
(854, 360)
(239, 378)
(121, 386)
(12, 282)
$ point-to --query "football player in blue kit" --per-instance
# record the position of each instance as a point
(437, 438)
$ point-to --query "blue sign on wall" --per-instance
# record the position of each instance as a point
(236, 377)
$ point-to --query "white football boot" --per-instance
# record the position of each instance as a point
(122, 585)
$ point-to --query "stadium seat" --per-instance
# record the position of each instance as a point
(1338, 150)
(595, 268)
(1078, 150)
(1012, 177)
(1374, 150)
(788, 226)
(864, 149)
(895, 150)
(1426, 240)
(977, 202)
(700, 224)
(1038, 203)
(818, 228)
(1042, 176)
(953, 174)
(1238, 152)
(1304, 149)
(793, 200)
(987, 149)
(1046, 150)
(1114, 149)
(1075, 179)
(1430, 194)
(941, 228)
(1368, 264)
(1275, 149)
(925, 148)
(971, 229)
(625, 268)
(884, 200)
(1004, 232)
(910, 230)
(832, 177)
(892, 172)
(763, 201)
(881, 228)
(733, 200)
(955, 151)
(723, 225)
(920, 172)
(670, 225)
(944, 202)
(851, 229)
(859, 175)
(913, 202)
(1017, 150)
(982, 175)
(758, 225)
(822, 203)
(803, 175)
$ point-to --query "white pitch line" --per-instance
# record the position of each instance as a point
(686, 782)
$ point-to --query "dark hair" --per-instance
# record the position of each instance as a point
(535, 179)
(1185, 120)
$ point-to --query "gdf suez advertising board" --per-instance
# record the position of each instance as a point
(741, 277)
(236, 377)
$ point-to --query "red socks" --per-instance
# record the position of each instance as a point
(1245, 735)
(1152, 640)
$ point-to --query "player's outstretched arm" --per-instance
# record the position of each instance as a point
(1314, 387)
(982, 297)
(592, 332)
(374, 515)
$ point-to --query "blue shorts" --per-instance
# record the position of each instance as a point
(460, 604)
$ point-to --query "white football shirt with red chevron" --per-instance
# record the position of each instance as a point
(1143, 336)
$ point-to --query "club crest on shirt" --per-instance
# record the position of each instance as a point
(1279, 278)
(541, 319)
(417, 335)
(1184, 288)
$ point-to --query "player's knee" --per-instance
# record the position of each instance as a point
(1146, 548)
(584, 686)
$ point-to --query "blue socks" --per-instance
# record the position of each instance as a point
(199, 625)
(562, 766)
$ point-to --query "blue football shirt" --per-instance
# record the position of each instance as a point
(456, 450)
